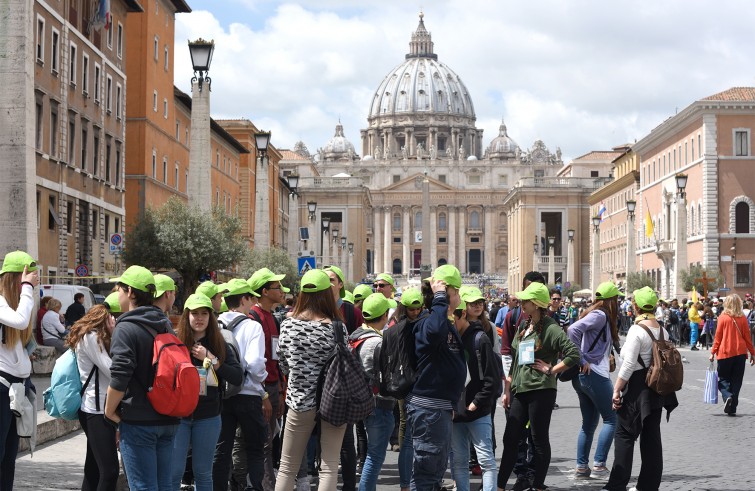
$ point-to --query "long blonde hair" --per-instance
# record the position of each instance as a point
(10, 289)
(733, 305)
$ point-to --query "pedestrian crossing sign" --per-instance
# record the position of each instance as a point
(305, 264)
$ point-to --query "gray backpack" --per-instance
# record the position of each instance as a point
(228, 389)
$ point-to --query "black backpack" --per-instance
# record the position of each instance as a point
(398, 360)
(498, 364)
(228, 389)
(673, 316)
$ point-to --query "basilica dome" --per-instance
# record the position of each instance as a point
(422, 84)
(338, 147)
(502, 145)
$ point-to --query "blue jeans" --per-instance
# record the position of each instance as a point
(595, 393)
(379, 426)
(480, 433)
(203, 435)
(147, 456)
(430, 431)
(405, 457)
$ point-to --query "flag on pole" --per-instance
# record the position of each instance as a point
(602, 211)
(649, 227)
(694, 295)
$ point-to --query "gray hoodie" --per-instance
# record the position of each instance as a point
(368, 350)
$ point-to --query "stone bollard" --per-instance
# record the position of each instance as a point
(44, 360)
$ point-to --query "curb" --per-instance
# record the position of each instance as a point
(49, 429)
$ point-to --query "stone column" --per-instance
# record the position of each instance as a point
(293, 225)
(406, 239)
(680, 256)
(631, 237)
(595, 268)
(377, 239)
(451, 235)
(433, 236)
(413, 145)
(200, 160)
(387, 239)
(462, 240)
(490, 235)
(570, 276)
(262, 202)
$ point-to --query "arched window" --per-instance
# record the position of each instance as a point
(397, 221)
(474, 220)
(442, 222)
(397, 266)
(742, 218)
(418, 221)
(691, 230)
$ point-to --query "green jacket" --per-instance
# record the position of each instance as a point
(554, 341)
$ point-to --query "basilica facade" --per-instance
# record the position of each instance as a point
(421, 122)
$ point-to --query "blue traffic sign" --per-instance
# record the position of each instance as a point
(305, 263)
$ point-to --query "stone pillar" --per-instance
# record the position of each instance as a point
(377, 239)
(200, 161)
(349, 266)
(387, 239)
(406, 239)
(293, 225)
(490, 235)
(551, 262)
(451, 235)
(570, 276)
(433, 236)
(595, 268)
(462, 240)
(413, 146)
(631, 237)
(18, 208)
(680, 256)
(262, 202)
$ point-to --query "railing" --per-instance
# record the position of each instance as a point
(330, 182)
(562, 182)
(556, 259)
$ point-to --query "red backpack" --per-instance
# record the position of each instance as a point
(175, 388)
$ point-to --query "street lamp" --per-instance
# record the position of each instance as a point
(595, 254)
(293, 182)
(631, 206)
(343, 242)
(201, 57)
(570, 232)
(680, 253)
(596, 223)
(312, 208)
(325, 229)
(570, 256)
(335, 235)
(681, 184)
(262, 210)
(261, 140)
(326, 223)
(551, 260)
(351, 248)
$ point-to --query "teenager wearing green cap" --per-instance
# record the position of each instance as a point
(90, 338)
(148, 465)
(638, 407)
(306, 342)
(361, 291)
(530, 389)
(198, 329)
(165, 293)
(595, 333)
(112, 304)
(366, 342)
(213, 292)
(251, 408)
(441, 372)
(18, 278)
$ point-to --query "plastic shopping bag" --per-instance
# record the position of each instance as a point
(711, 386)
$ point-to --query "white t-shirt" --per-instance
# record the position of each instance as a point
(637, 343)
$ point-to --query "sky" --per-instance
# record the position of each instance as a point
(580, 75)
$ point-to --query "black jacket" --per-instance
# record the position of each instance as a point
(131, 370)
(230, 370)
(74, 312)
(479, 391)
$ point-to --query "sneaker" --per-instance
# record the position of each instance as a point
(448, 485)
(727, 406)
(395, 448)
(694, 348)
(582, 473)
(600, 472)
(522, 484)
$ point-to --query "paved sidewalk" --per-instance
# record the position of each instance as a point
(703, 448)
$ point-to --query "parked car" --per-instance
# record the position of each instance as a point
(65, 294)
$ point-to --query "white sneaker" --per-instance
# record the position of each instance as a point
(302, 484)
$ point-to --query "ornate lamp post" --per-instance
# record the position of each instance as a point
(551, 260)
(595, 254)
(293, 213)
(262, 209)
(631, 207)
(570, 257)
(534, 257)
(311, 209)
(325, 229)
(680, 256)
(200, 160)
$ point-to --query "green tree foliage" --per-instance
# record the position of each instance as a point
(690, 278)
(276, 260)
(637, 280)
(187, 239)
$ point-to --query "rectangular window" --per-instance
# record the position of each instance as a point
(154, 100)
(109, 95)
(84, 144)
(69, 217)
(442, 240)
(741, 143)
(108, 176)
(178, 127)
(442, 178)
(117, 225)
(186, 181)
(743, 273)
(41, 40)
(117, 163)
(474, 179)
(39, 111)
(55, 52)
(54, 129)
(95, 222)
(97, 82)
(686, 154)
(165, 170)
(52, 217)
(71, 137)
(119, 41)
(165, 64)
(155, 47)
(692, 143)
(110, 37)
(85, 75)
(397, 240)
(165, 108)
(154, 165)
(175, 178)
(396, 178)
(699, 146)
(107, 226)
(118, 98)
(594, 173)
(72, 62)
(96, 151)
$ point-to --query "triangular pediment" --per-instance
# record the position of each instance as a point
(409, 184)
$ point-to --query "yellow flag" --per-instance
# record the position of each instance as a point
(694, 295)
(649, 227)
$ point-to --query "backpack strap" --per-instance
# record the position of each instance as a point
(338, 332)
(477, 351)
(95, 369)
(238, 320)
(652, 338)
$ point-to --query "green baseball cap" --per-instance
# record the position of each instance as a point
(412, 298)
(462, 305)
(449, 274)
(606, 290)
(537, 293)
(223, 306)
(137, 277)
(376, 305)
(470, 294)
(237, 286)
(339, 273)
(208, 289)
(164, 283)
(315, 280)
(198, 301)
(263, 276)
(362, 291)
(15, 261)
(645, 298)
(111, 302)
(388, 279)
(348, 297)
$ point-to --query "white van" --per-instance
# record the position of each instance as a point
(65, 294)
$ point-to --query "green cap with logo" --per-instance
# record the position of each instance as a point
(348, 297)
(537, 293)
(208, 289)
(315, 280)
(362, 291)
(339, 273)
(645, 298)
(388, 279)
(111, 302)
(198, 301)
(606, 290)
(263, 276)
(163, 283)
(470, 294)
(137, 277)
(237, 286)
(376, 305)
(449, 274)
(412, 298)
(15, 262)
